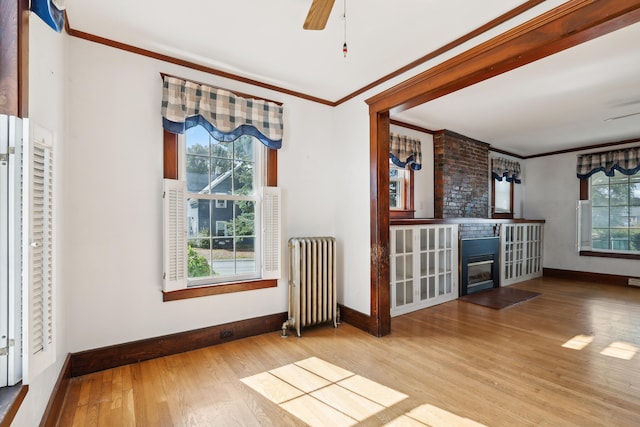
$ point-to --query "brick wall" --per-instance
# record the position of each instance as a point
(475, 231)
(461, 180)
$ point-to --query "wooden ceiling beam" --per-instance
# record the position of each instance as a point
(566, 26)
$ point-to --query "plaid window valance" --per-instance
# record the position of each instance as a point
(226, 116)
(404, 150)
(505, 168)
(625, 161)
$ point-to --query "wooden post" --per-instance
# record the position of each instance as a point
(14, 51)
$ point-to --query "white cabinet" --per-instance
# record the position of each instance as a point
(424, 266)
(520, 252)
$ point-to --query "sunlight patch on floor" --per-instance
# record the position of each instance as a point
(617, 349)
(433, 416)
(620, 350)
(321, 394)
(578, 342)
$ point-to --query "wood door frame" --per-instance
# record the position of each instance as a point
(566, 26)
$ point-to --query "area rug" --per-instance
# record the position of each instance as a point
(499, 298)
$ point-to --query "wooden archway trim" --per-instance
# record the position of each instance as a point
(568, 25)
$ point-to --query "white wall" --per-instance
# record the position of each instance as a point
(352, 203)
(113, 194)
(551, 193)
(46, 109)
(422, 179)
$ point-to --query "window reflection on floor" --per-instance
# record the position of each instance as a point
(620, 350)
(578, 342)
(617, 349)
(320, 394)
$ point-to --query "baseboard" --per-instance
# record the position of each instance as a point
(54, 407)
(355, 318)
(99, 359)
(612, 279)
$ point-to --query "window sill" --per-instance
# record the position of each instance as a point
(401, 214)
(10, 400)
(502, 215)
(621, 255)
(224, 288)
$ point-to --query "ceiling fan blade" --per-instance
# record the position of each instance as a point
(318, 14)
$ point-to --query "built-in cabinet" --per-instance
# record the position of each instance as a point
(520, 252)
(424, 266)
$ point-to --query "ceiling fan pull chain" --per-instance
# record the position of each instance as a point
(344, 17)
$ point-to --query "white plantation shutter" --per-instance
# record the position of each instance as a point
(39, 261)
(271, 232)
(174, 235)
(583, 221)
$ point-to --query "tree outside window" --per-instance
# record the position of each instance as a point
(221, 184)
(615, 212)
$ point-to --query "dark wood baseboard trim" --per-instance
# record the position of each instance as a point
(355, 318)
(99, 359)
(54, 407)
(14, 400)
(612, 279)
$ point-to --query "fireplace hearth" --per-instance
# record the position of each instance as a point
(479, 264)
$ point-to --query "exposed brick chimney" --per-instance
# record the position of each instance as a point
(461, 170)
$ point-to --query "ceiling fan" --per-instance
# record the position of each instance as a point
(318, 14)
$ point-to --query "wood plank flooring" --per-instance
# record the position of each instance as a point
(454, 364)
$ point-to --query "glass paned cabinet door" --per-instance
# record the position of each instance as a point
(402, 286)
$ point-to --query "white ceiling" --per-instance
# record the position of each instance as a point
(555, 103)
(560, 102)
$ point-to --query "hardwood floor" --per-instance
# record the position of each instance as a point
(454, 364)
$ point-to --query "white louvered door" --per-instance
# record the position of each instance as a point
(39, 261)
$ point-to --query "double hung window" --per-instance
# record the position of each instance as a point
(505, 173)
(399, 183)
(502, 199)
(615, 212)
(405, 156)
(223, 206)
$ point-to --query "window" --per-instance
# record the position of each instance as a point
(221, 207)
(396, 187)
(400, 191)
(230, 215)
(615, 212)
(222, 202)
(505, 173)
(502, 198)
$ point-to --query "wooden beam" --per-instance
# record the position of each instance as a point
(380, 279)
(568, 25)
(14, 54)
